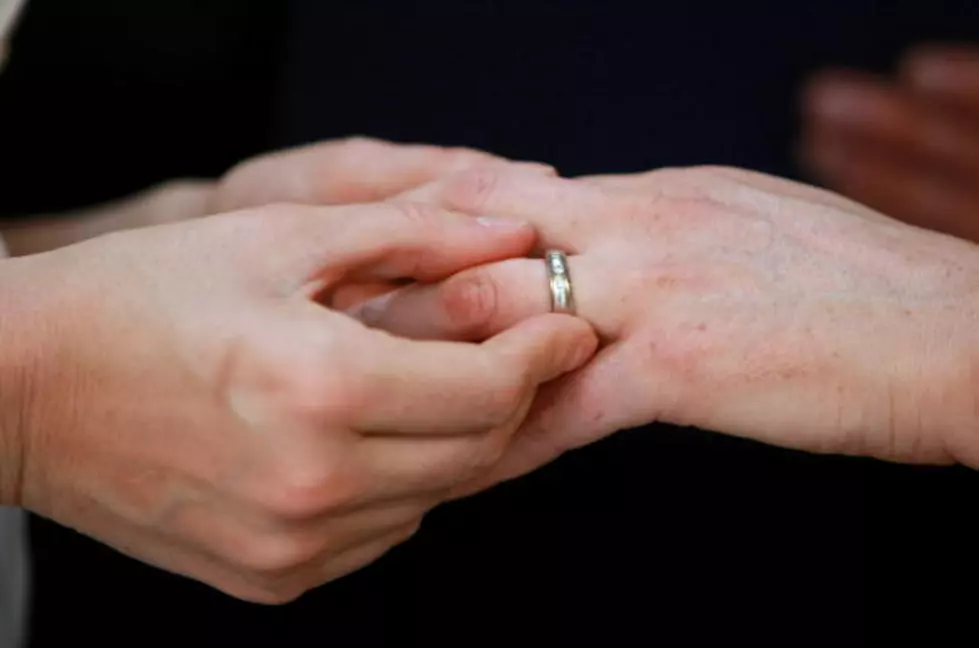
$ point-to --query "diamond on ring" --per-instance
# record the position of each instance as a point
(559, 282)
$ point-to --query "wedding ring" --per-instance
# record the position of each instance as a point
(559, 282)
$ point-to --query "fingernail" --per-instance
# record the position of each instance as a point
(501, 223)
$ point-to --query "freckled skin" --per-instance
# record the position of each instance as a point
(741, 303)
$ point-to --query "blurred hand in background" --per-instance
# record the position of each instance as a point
(908, 145)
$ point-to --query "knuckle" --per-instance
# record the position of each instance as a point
(406, 533)
(319, 396)
(275, 596)
(474, 189)
(460, 158)
(469, 301)
(417, 215)
(362, 145)
(315, 385)
(259, 593)
(267, 559)
(306, 489)
(712, 171)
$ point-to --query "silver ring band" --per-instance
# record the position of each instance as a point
(559, 282)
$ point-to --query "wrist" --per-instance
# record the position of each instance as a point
(954, 393)
(19, 333)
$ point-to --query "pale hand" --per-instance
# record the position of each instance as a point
(354, 170)
(177, 392)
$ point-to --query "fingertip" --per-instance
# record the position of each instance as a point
(941, 67)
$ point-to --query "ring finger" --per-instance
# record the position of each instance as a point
(480, 302)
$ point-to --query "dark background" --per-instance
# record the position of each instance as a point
(656, 536)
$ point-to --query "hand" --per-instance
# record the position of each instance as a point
(334, 172)
(345, 171)
(176, 392)
(167, 203)
(730, 301)
(908, 146)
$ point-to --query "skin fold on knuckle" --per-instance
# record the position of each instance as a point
(457, 159)
(474, 190)
(409, 232)
(326, 388)
(309, 480)
(245, 588)
(359, 148)
(304, 476)
(301, 493)
(419, 216)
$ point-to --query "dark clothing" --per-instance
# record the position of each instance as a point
(655, 536)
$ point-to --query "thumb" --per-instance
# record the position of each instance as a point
(575, 410)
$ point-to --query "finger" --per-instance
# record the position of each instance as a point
(621, 181)
(567, 214)
(934, 76)
(576, 410)
(363, 555)
(400, 386)
(340, 171)
(313, 248)
(329, 371)
(147, 545)
(264, 545)
(949, 73)
(349, 296)
(429, 467)
(914, 194)
(864, 107)
(428, 192)
(483, 301)
(333, 564)
(886, 116)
